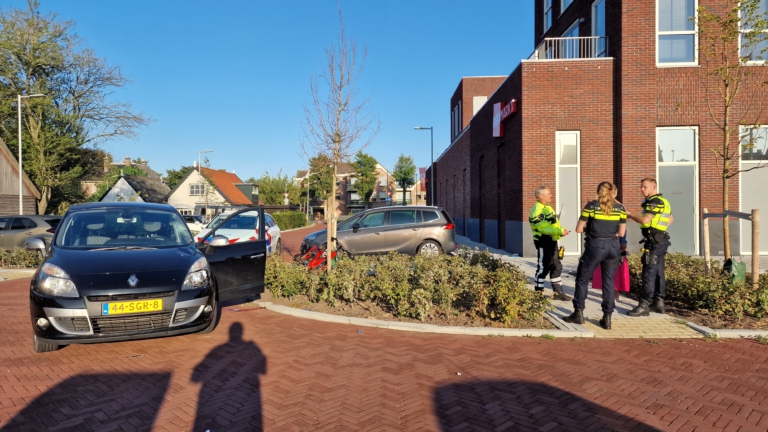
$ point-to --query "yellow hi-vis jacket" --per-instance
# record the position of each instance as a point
(544, 222)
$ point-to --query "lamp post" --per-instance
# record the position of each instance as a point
(432, 163)
(21, 168)
(199, 178)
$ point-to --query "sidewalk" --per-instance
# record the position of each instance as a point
(653, 326)
(12, 274)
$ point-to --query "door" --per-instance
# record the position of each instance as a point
(677, 178)
(369, 237)
(403, 231)
(238, 268)
(568, 189)
(754, 175)
(20, 230)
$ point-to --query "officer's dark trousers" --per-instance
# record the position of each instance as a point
(654, 282)
(548, 264)
(607, 253)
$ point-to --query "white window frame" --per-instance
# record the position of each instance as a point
(548, 14)
(200, 186)
(697, 181)
(751, 62)
(741, 191)
(693, 32)
(577, 165)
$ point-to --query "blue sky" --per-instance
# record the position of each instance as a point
(232, 75)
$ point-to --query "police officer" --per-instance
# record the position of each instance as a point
(654, 220)
(603, 221)
(546, 232)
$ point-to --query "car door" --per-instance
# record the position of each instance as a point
(403, 230)
(367, 236)
(5, 225)
(238, 268)
(21, 228)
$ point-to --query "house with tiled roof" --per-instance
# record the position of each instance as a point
(205, 191)
(138, 189)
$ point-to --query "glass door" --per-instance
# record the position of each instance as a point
(568, 190)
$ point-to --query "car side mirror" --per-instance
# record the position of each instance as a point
(37, 245)
(355, 227)
(218, 241)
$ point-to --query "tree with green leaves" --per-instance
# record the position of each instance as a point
(42, 55)
(366, 175)
(404, 173)
(173, 177)
(110, 178)
(320, 178)
(732, 52)
(272, 189)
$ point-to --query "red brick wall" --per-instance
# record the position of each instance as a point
(452, 178)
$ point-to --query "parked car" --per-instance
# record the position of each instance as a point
(194, 222)
(405, 229)
(128, 270)
(17, 229)
(244, 227)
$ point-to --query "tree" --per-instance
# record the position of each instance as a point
(404, 173)
(173, 177)
(336, 123)
(733, 53)
(41, 54)
(365, 174)
(272, 189)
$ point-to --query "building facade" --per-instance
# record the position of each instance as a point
(613, 91)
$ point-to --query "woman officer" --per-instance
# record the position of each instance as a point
(603, 221)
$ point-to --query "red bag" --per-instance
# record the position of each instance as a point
(620, 281)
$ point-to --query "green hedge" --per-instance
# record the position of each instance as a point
(473, 282)
(19, 258)
(691, 287)
(290, 219)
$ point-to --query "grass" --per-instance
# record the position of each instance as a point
(762, 340)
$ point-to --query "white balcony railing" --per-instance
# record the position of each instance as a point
(571, 48)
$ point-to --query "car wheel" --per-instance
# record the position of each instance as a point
(215, 318)
(41, 347)
(278, 247)
(429, 247)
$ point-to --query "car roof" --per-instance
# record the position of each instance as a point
(33, 216)
(121, 205)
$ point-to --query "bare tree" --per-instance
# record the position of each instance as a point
(732, 49)
(338, 124)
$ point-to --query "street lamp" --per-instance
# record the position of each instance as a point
(199, 178)
(432, 164)
(21, 168)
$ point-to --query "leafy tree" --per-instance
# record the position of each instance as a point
(404, 173)
(320, 177)
(366, 175)
(272, 189)
(42, 54)
(337, 121)
(732, 50)
(173, 177)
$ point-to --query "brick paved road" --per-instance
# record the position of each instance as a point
(260, 368)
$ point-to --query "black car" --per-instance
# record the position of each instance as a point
(120, 271)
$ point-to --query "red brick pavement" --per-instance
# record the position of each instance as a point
(296, 374)
(292, 240)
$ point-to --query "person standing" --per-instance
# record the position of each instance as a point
(603, 221)
(654, 220)
(546, 232)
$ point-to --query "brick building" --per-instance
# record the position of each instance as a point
(613, 91)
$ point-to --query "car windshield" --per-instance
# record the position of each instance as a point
(248, 220)
(122, 228)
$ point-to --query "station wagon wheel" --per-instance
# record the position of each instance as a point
(278, 247)
(41, 347)
(429, 247)
(215, 318)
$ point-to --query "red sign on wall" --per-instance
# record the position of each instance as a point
(501, 112)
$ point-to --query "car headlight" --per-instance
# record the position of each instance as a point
(199, 275)
(55, 282)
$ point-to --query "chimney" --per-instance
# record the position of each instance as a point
(127, 161)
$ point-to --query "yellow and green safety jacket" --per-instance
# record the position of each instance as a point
(659, 207)
(544, 222)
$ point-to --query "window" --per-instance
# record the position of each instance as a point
(402, 217)
(196, 189)
(22, 223)
(373, 220)
(676, 31)
(600, 45)
(571, 45)
(677, 176)
(547, 14)
(429, 216)
(754, 36)
(3, 223)
(754, 141)
(564, 5)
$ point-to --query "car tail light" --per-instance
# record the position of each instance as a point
(448, 226)
(51, 230)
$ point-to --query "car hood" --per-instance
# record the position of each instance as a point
(90, 262)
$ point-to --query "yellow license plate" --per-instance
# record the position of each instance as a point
(132, 307)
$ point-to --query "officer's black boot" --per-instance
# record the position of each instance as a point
(658, 306)
(577, 317)
(559, 294)
(640, 310)
(605, 322)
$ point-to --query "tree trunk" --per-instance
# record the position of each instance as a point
(45, 195)
(331, 244)
(726, 227)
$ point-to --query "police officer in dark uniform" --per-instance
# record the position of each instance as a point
(654, 220)
(603, 221)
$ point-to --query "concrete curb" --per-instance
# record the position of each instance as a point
(706, 331)
(425, 328)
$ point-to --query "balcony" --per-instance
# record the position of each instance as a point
(356, 203)
(570, 48)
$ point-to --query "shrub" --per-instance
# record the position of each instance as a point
(290, 219)
(19, 258)
(688, 284)
(474, 283)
